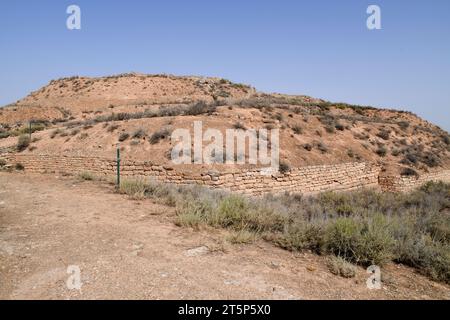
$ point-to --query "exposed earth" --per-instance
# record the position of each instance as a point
(129, 249)
(90, 116)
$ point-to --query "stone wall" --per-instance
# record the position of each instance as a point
(309, 179)
(405, 184)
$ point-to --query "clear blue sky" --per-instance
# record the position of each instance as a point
(319, 48)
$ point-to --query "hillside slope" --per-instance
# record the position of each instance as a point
(88, 116)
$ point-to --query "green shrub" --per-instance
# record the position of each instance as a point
(138, 134)
(55, 133)
(112, 127)
(38, 126)
(301, 236)
(381, 151)
(5, 134)
(242, 237)
(279, 117)
(350, 153)
(430, 160)
(239, 126)
(409, 172)
(284, 167)
(364, 243)
(446, 139)
(23, 142)
(160, 135)
(429, 257)
(340, 267)
(330, 128)
(384, 134)
(403, 125)
(322, 147)
(123, 136)
(189, 219)
(339, 126)
(86, 175)
(297, 129)
(200, 107)
(231, 211)
(134, 188)
(2, 163)
(19, 166)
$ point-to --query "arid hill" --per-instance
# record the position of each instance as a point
(90, 116)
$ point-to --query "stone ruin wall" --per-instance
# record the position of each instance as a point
(310, 179)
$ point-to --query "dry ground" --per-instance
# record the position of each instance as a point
(132, 250)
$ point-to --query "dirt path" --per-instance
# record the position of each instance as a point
(132, 250)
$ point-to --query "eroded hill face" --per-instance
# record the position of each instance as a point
(69, 97)
(85, 116)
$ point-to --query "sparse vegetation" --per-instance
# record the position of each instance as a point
(403, 125)
(139, 134)
(124, 136)
(362, 227)
(159, 135)
(446, 139)
(361, 136)
(23, 142)
(112, 127)
(338, 266)
(297, 129)
(4, 134)
(242, 237)
(86, 175)
(279, 117)
(384, 134)
(409, 172)
(83, 136)
(55, 133)
(322, 147)
(329, 128)
(415, 154)
(239, 126)
(133, 188)
(350, 153)
(200, 107)
(284, 167)
(339, 126)
(381, 151)
(19, 166)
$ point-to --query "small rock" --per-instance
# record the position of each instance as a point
(196, 251)
(275, 265)
(310, 268)
(137, 246)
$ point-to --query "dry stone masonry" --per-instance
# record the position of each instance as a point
(408, 183)
(310, 179)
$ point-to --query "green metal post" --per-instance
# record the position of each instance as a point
(118, 168)
(30, 129)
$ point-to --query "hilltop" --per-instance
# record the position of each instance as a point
(89, 116)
